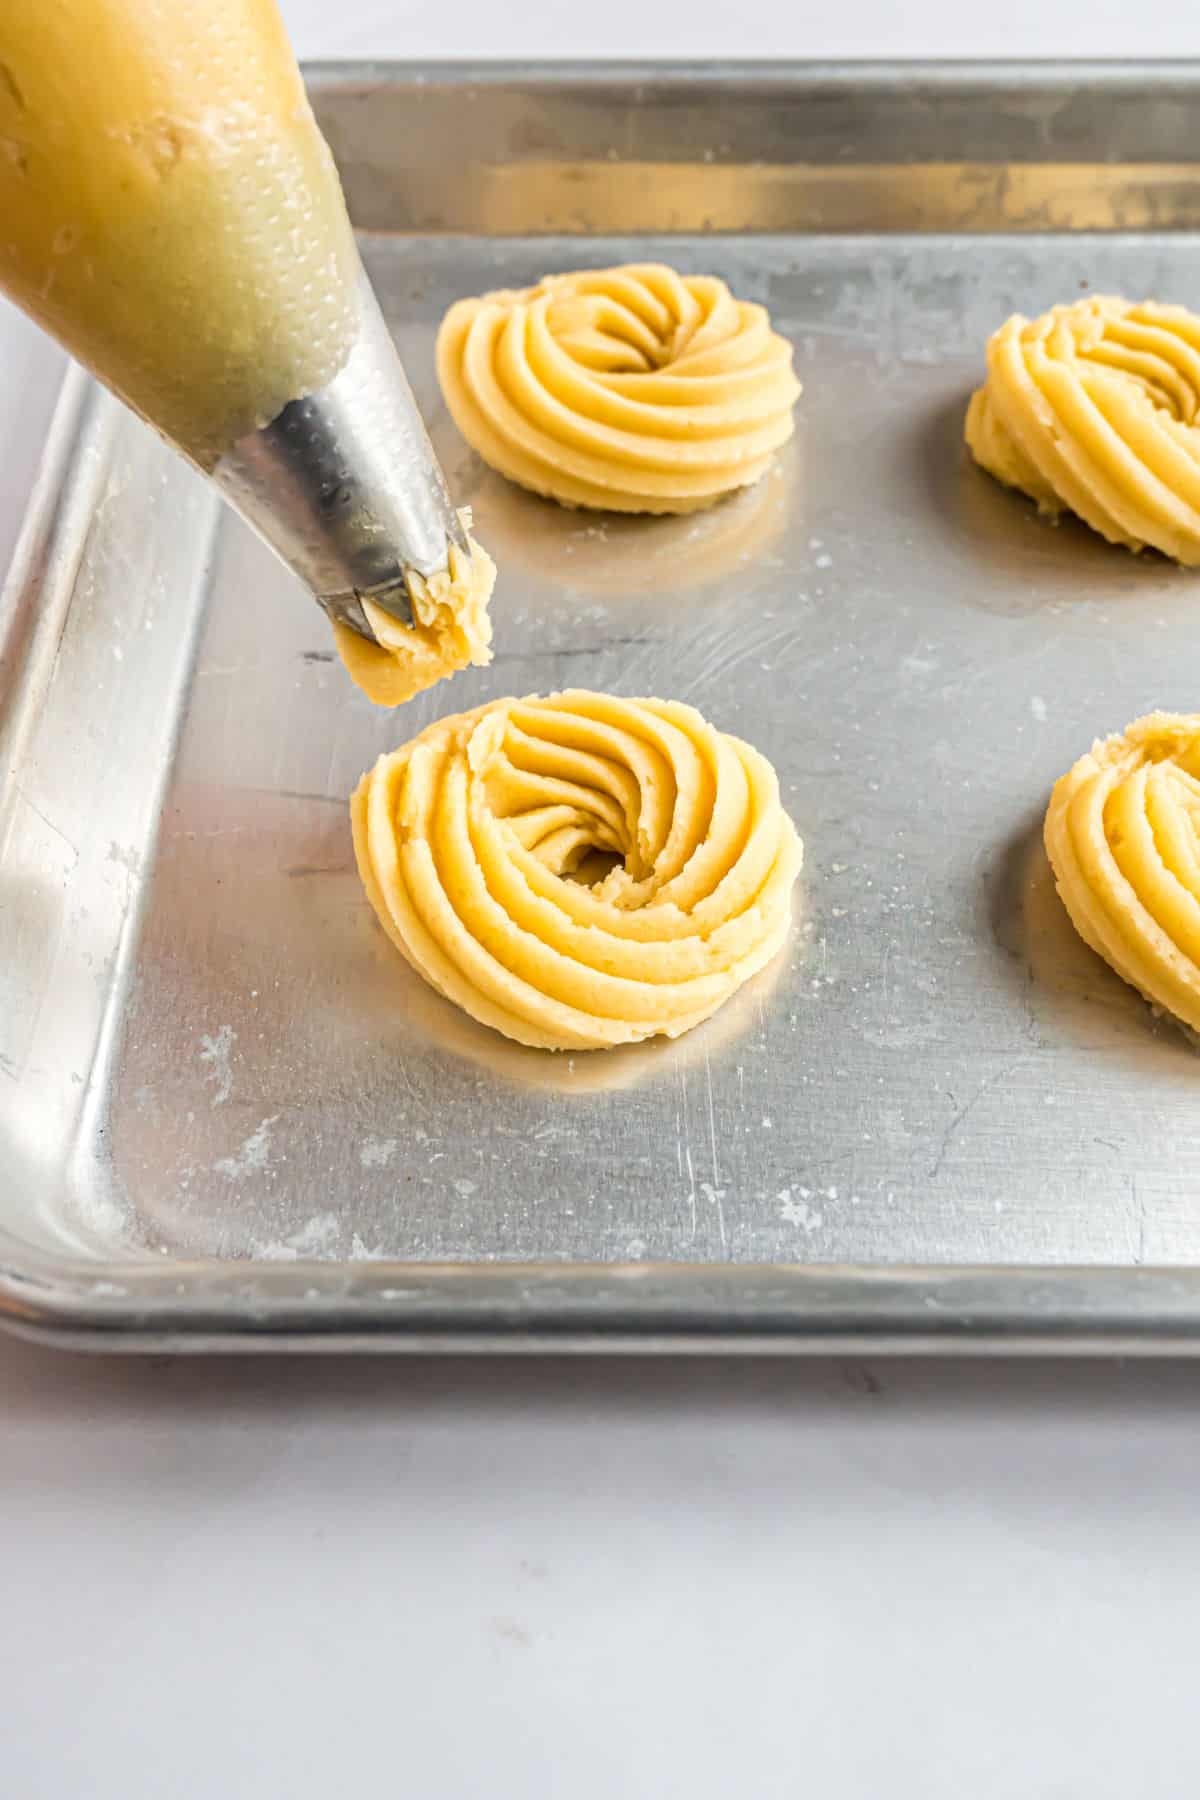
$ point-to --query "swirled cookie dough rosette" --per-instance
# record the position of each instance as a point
(579, 871)
(632, 389)
(1121, 835)
(1092, 409)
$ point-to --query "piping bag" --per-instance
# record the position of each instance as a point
(170, 212)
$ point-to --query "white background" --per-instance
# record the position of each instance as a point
(448, 1579)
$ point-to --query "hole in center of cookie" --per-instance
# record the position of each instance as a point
(593, 867)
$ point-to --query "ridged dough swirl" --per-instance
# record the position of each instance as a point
(631, 389)
(468, 839)
(1093, 409)
(1122, 837)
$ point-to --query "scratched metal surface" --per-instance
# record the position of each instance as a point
(936, 1072)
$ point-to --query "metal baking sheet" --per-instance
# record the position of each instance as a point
(228, 1111)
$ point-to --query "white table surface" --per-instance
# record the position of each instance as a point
(522, 1580)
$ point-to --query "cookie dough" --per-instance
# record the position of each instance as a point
(451, 629)
(578, 871)
(632, 389)
(1121, 838)
(1092, 409)
(171, 211)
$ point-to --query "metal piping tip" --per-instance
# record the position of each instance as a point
(344, 484)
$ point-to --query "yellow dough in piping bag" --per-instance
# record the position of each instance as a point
(631, 389)
(450, 630)
(171, 212)
(578, 871)
(1092, 409)
(1121, 835)
(169, 209)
